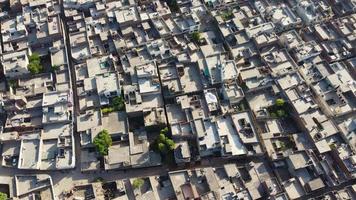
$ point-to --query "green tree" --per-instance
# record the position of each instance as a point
(118, 103)
(164, 131)
(161, 138)
(102, 142)
(280, 102)
(170, 143)
(137, 183)
(281, 113)
(162, 148)
(34, 57)
(227, 15)
(3, 196)
(163, 143)
(34, 65)
(196, 36)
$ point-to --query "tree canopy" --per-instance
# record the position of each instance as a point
(163, 142)
(170, 144)
(102, 142)
(162, 147)
(280, 102)
(281, 113)
(226, 15)
(34, 65)
(3, 196)
(161, 137)
(118, 103)
(164, 131)
(196, 36)
(137, 183)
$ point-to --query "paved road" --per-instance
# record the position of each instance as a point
(65, 180)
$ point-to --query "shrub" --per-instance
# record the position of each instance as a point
(137, 183)
(55, 68)
(107, 110)
(102, 142)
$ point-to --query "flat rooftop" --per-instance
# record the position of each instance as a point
(242, 121)
(58, 57)
(115, 123)
(90, 119)
(225, 129)
(211, 135)
(99, 65)
(34, 184)
(29, 154)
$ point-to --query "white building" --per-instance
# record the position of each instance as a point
(108, 87)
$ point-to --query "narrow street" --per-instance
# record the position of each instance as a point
(73, 85)
(65, 180)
